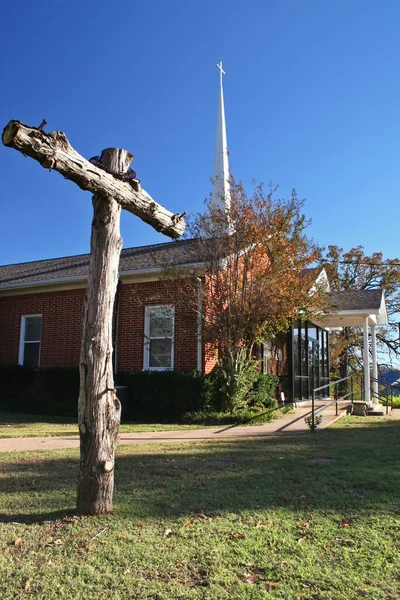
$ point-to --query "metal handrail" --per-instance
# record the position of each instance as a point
(336, 401)
(378, 395)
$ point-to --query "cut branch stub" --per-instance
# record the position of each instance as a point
(53, 151)
(117, 160)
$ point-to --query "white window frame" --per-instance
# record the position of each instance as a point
(146, 345)
(22, 341)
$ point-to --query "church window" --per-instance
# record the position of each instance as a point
(159, 338)
(30, 341)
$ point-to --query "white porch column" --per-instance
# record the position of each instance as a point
(367, 381)
(374, 366)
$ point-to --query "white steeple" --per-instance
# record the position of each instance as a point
(220, 185)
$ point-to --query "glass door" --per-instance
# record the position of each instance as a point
(313, 364)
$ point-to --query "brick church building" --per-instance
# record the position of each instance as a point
(155, 328)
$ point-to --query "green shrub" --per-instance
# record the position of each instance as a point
(236, 375)
(162, 396)
(51, 391)
(242, 417)
(396, 401)
(152, 396)
(172, 396)
(59, 390)
(263, 391)
(16, 380)
(317, 421)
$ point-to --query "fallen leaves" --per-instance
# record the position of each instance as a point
(259, 524)
(235, 536)
(57, 542)
(203, 516)
(270, 587)
(303, 529)
(343, 542)
(251, 578)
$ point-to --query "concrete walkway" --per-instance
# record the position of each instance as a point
(290, 423)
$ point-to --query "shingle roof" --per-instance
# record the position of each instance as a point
(312, 271)
(356, 300)
(132, 259)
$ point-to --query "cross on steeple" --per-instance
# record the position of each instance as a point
(220, 194)
(221, 71)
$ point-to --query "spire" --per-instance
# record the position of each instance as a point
(220, 185)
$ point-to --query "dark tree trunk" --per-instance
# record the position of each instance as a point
(99, 409)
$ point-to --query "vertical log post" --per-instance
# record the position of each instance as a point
(99, 410)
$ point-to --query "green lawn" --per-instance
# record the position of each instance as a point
(21, 425)
(307, 517)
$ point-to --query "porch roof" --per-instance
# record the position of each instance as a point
(350, 308)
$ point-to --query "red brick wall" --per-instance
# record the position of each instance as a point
(210, 357)
(62, 324)
(133, 300)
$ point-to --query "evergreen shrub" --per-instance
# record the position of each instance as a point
(150, 396)
(162, 396)
(263, 392)
(52, 391)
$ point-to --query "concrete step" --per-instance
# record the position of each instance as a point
(375, 413)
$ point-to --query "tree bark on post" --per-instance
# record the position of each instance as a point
(99, 409)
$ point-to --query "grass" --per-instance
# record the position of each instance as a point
(22, 425)
(308, 517)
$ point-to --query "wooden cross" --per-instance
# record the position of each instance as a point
(99, 410)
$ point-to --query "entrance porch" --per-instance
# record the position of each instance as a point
(365, 309)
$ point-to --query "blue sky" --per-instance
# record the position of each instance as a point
(312, 98)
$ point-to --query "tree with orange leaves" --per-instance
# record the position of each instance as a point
(251, 264)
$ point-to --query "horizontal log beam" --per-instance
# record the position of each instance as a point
(53, 151)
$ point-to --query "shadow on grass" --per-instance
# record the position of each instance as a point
(37, 518)
(353, 468)
(255, 419)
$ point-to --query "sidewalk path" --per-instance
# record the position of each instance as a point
(289, 423)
